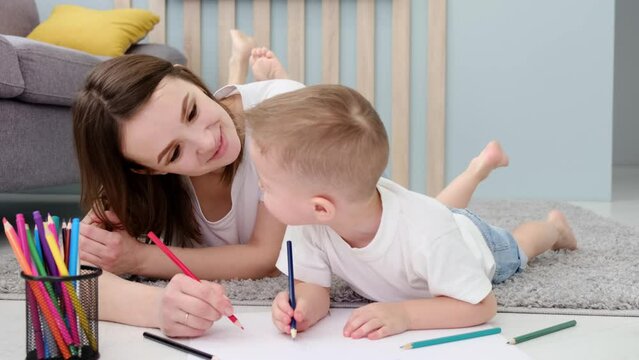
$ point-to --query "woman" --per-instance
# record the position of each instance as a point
(153, 144)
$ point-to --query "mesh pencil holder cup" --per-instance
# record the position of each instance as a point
(62, 315)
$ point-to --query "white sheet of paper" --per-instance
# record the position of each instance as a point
(261, 340)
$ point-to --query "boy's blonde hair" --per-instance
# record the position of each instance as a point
(329, 135)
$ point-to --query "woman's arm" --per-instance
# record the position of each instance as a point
(128, 302)
(256, 259)
(165, 308)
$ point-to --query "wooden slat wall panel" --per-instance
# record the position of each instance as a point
(262, 22)
(122, 4)
(226, 22)
(296, 39)
(401, 92)
(158, 34)
(436, 112)
(365, 24)
(330, 41)
(366, 48)
(192, 37)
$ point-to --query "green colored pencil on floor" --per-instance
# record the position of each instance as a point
(447, 339)
(542, 332)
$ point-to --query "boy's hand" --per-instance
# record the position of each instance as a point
(282, 313)
(376, 321)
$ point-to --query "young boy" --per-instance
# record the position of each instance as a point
(320, 152)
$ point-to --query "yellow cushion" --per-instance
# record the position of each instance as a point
(99, 32)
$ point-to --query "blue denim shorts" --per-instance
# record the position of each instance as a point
(509, 258)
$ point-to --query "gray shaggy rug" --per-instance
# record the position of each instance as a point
(600, 278)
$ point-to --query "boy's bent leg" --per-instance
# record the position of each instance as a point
(536, 237)
(265, 65)
(459, 192)
(241, 46)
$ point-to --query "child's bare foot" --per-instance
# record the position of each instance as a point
(265, 65)
(241, 45)
(567, 239)
(491, 158)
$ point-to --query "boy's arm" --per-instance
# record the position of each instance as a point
(313, 302)
(445, 312)
(379, 320)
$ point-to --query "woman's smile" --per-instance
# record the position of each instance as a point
(221, 148)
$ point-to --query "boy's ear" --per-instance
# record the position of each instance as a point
(323, 209)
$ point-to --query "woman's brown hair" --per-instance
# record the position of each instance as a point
(114, 91)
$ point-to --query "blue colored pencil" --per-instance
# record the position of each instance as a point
(74, 243)
(291, 285)
(447, 339)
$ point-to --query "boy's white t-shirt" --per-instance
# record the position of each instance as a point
(236, 227)
(418, 252)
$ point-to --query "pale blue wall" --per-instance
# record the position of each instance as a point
(537, 75)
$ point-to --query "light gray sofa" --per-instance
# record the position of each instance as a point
(37, 84)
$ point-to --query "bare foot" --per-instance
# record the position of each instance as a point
(265, 65)
(567, 239)
(491, 158)
(241, 45)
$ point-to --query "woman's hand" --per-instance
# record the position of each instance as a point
(114, 251)
(376, 321)
(188, 308)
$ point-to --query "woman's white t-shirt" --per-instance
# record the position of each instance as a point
(236, 227)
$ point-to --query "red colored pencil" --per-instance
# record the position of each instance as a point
(185, 269)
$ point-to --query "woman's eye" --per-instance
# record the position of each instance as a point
(192, 113)
(176, 154)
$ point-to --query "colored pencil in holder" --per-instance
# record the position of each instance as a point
(55, 323)
(74, 243)
(22, 236)
(54, 309)
(48, 257)
(66, 230)
(36, 241)
(69, 290)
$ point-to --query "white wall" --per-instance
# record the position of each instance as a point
(626, 103)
